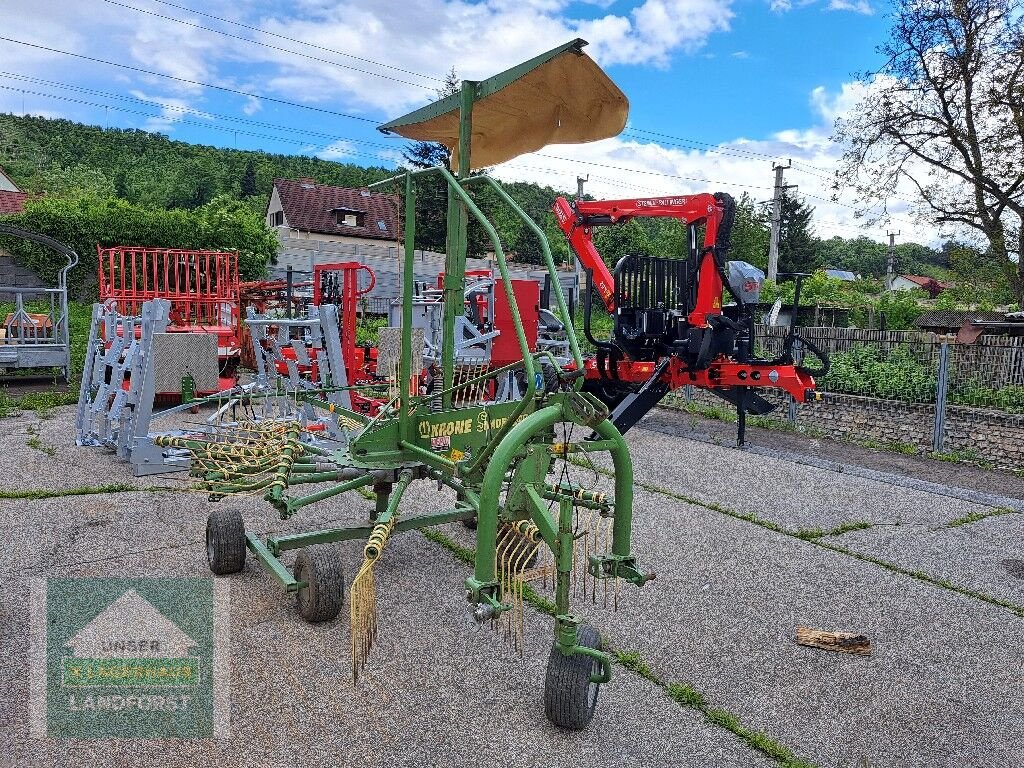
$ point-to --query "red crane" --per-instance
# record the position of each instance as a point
(670, 327)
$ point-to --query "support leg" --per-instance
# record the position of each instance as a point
(383, 491)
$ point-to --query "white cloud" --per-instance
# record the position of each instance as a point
(740, 55)
(635, 164)
(857, 6)
(252, 106)
(502, 35)
(338, 150)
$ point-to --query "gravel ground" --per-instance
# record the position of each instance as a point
(960, 474)
(434, 694)
(792, 495)
(986, 556)
(941, 688)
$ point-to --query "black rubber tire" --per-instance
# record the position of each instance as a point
(225, 541)
(550, 375)
(320, 567)
(570, 699)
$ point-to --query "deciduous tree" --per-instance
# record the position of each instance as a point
(946, 114)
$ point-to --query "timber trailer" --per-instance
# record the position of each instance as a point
(670, 328)
(499, 457)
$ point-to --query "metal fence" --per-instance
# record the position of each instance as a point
(910, 390)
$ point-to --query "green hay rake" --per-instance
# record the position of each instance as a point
(500, 458)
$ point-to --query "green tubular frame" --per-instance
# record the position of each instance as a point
(516, 455)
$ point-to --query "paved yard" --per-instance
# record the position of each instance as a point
(746, 547)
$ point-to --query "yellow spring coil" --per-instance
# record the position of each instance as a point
(363, 598)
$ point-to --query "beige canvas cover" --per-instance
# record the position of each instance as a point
(568, 100)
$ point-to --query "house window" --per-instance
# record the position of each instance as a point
(349, 218)
(277, 219)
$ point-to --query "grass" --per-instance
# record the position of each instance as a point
(973, 517)
(36, 442)
(819, 541)
(86, 490)
(894, 446)
(964, 456)
(683, 694)
(809, 534)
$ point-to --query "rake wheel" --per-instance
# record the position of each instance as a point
(570, 698)
(225, 541)
(324, 593)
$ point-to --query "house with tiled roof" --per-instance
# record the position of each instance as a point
(920, 282)
(12, 274)
(301, 208)
(12, 199)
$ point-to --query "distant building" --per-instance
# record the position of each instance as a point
(301, 208)
(841, 274)
(911, 282)
(968, 326)
(12, 199)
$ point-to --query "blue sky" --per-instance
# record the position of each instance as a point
(736, 83)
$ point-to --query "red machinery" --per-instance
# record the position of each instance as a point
(338, 284)
(202, 286)
(670, 328)
(505, 347)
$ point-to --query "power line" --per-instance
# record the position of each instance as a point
(267, 45)
(336, 113)
(649, 173)
(300, 42)
(175, 108)
(188, 122)
(736, 150)
(270, 99)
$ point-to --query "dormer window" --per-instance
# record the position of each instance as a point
(345, 217)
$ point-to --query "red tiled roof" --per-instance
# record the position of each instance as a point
(12, 202)
(310, 207)
(923, 281)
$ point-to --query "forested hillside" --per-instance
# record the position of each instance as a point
(107, 186)
(58, 156)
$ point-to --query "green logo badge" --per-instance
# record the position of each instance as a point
(131, 658)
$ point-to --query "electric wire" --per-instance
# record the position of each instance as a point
(248, 94)
(269, 46)
(335, 51)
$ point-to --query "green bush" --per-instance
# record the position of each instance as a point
(974, 393)
(863, 370)
(85, 221)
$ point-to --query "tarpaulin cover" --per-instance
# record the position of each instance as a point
(566, 100)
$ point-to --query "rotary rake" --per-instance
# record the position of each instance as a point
(499, 456)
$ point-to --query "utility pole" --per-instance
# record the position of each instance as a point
(890, 263)
(780, 190)
(580, 276)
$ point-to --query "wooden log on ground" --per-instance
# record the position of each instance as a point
(844, 642)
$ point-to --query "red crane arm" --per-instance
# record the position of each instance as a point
(577, 221)
(581, 240)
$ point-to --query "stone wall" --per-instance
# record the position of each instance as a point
(976, 433)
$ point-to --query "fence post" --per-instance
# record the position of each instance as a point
(942, 385)
(688, 394)
(792, 410)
